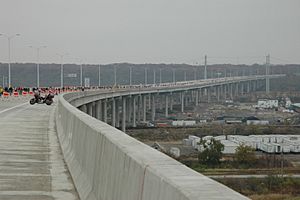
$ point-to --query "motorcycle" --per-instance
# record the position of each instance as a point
(48, 99)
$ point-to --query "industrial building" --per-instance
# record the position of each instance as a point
(264, 143)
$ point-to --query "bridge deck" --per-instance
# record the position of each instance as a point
(31, 163)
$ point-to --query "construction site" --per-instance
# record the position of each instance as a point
(270, 125)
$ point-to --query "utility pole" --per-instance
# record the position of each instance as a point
(154, 76)
(115, 75)
(267, 74)
(145, 74)
(9, 38)
(62, 69)
(174, 78)
(99, 75)
(38, 64)
(160, 76)
(205, 67)
(81, 73)
(130, 75)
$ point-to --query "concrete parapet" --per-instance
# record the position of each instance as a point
(107, 164)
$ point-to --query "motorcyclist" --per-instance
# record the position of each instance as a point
(37, 95)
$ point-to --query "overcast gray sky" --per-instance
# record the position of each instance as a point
(152, 31)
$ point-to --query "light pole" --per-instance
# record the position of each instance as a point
(38, 64)
(9, 38)
(99, 75)
(130, 75)
(115, 75)
(205, 67)
(81, 73)
(146, 76)
(154, 76)
(173, 72)
(62, 69)
(160, 76)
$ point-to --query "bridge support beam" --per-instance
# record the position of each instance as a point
(90, 109)
(113, 112)
(171, 101)
(182, 101)
(98, 109)
(166, 106)
(105, 110)
(134, 111)
(139, 100)
(197, 97)
(144, 102)
(124, 114)
(83, 108)
(242, 88)
(117, 112)
(153, 108)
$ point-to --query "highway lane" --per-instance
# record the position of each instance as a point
(31, 163)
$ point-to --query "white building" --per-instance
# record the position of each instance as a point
(267, 103)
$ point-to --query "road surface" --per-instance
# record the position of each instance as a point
(31, 162)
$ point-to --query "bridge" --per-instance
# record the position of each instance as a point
(60, 152)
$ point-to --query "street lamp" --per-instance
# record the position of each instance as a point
(9, 38)
(130, 75)
(38, 64)
(62, 69)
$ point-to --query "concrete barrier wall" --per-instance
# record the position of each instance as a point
(107, 164)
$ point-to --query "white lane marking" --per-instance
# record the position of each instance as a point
(8, 109)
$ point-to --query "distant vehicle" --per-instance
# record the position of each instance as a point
(48, 99)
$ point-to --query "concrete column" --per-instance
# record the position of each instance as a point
(242, 88)
(218, 93)
(153, 108)
(83, 108)
(134, 111)
(149, 102)
(237, 89)
(182, 102)
(90, 109)
(139, 108)
(124, 114)
(200, 95)
(231, 91)
(166, 106)
(225, 91)
(105, 110)
(248, 86)
(208, 95)
(94, 109)
(113, 112)
(144, 107)
(171, 102)
(197, 97)
(160, 100)
(117, 113)
(98, 109)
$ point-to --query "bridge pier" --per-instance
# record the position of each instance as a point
(90, 109)
(197, 97)
(98, 109)
(117, 112)
(153, 108)
(113, 112)
(105, 110)
(139, 100)
(124, 114)
(144, 107)
(182, 101)
(134, 111)
(166, 106)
